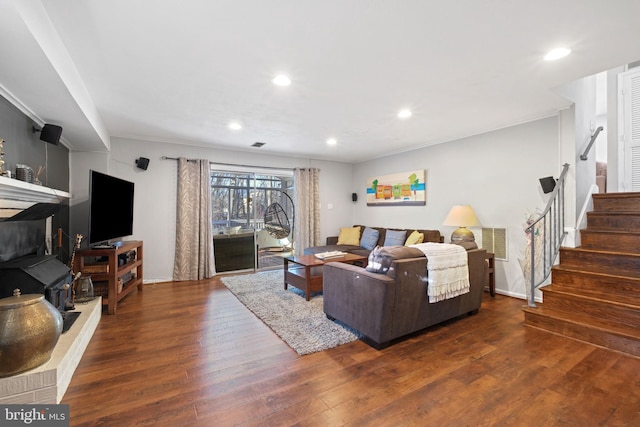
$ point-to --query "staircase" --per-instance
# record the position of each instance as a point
(595, 291)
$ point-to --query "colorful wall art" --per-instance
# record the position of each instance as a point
(405, 188)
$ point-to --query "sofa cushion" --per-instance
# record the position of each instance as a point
(395, 237)
(401, 252)
(369, 238)
(381, 258)
(414, 238)
(349, 236)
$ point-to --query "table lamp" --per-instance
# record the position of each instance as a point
(462, 216)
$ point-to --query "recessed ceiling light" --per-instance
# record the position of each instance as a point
(235, 126)
(282, 80)
(332, 141)
(557, 53)
(404, 114)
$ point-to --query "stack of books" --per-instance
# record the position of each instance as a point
(330, 254)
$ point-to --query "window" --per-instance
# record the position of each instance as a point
(239, 201)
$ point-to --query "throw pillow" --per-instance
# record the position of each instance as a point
(401, 252)
(395, 238)
(414, 238)
(349, 236)
(369, 238)
(378, 262)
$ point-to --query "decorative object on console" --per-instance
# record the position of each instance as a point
(24, 173)
(84, 290)
(31, 327)
(82, 285)
(36, 180)
(74, 276)
(1, 157)
(462, 216)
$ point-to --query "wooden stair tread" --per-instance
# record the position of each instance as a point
(597, 273)
(606, 231)
(601, 251)
(627, 195)
(611, 298)
(584, 320)
(613, 213)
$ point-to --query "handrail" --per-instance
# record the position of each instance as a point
(583, 156)
(547, 233)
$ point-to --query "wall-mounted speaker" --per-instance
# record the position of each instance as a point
(354, 197)
(50, 133)
(548, 184)
(142, 163)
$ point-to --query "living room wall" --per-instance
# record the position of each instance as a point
(155, 191)
(496, 173)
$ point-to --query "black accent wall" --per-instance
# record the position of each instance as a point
(22, 146)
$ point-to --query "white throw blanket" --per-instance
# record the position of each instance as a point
(447, 268)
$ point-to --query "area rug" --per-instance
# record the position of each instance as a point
(300, 323)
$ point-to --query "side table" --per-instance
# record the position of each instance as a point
(492, 273)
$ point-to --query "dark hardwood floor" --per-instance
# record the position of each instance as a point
(189, 353)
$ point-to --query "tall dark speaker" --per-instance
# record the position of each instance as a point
(51, 134)
(142, 163)
(354, 197)
(548, 184)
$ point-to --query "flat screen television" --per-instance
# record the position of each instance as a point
(110, 208)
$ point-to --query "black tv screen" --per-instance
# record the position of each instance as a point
(110, 208)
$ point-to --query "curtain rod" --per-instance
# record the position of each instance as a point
(231, 164)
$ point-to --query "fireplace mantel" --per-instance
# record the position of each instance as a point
(14, 189)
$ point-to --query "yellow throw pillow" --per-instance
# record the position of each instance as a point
(349, 236)
(414, 238)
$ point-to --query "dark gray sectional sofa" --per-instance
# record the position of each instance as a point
(386, 307)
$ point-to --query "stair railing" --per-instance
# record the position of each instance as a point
(583, 156)
(547, 233)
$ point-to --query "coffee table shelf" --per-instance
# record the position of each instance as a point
(305, 271)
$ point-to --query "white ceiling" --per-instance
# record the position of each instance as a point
(180, 71)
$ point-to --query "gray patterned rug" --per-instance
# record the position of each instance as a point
(300, 323)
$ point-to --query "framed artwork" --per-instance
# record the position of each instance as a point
(398, 189)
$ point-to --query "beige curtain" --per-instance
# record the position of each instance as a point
(194, 241)
(307, 204)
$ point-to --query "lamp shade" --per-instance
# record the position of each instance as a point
(462, 216)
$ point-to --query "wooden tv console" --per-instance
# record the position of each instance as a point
(106, 274)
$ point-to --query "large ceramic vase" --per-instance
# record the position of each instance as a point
(29, 330)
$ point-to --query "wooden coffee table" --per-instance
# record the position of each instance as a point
(305, 271)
